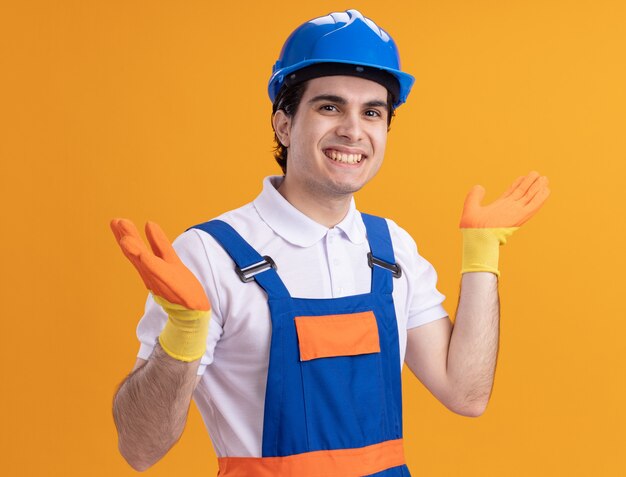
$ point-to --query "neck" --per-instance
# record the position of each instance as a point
(322, 208)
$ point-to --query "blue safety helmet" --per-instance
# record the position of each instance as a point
(345, 39)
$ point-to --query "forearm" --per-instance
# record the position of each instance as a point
(473, 349)
(150, 408)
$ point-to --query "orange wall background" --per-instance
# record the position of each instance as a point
(158, 110)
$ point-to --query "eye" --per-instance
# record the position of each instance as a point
(328, 107)
(373, 113)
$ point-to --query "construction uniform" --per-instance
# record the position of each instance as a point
(302, 370)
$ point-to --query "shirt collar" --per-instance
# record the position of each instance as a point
(295, 227)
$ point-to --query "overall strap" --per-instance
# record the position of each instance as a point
(381, 258)
(250, 265)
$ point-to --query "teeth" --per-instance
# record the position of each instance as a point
(345, 158)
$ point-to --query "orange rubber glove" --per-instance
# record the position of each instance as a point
(485, 228)
(173, 286)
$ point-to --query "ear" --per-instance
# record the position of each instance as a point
(282, 127)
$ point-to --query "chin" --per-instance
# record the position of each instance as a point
(343, 188)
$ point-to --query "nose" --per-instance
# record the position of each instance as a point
(350, 127)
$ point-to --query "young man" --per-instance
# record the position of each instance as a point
(314, 306)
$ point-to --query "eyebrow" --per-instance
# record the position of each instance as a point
(339, 100)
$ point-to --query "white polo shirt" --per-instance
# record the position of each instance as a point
(313, 262)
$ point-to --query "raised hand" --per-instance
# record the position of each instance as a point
(513, 208)
(486, 227)
(161, 270)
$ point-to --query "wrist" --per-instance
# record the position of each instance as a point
(481, 248)
(185, 332)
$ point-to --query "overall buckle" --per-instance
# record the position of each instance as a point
(394, 268)
(247, 274)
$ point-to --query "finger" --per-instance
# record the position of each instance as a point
(521, 189)
(127, 227)
(514, 186)
(133, 249)
(533, 207)
(160, 244)
(535, 204)
(115, 228)
(131, 246)
(120, 230)
(534, 189)
(120, 236)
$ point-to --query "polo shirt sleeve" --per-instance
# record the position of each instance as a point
(424, 301)
(191, 250)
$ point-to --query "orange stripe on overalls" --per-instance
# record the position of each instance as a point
(332, 463)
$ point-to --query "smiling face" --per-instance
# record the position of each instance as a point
(336, 140)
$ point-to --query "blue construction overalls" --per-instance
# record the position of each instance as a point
(333, 404)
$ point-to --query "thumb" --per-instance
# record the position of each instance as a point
(160, 244)
(474, 197)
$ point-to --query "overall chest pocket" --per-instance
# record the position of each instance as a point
(340, 360)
